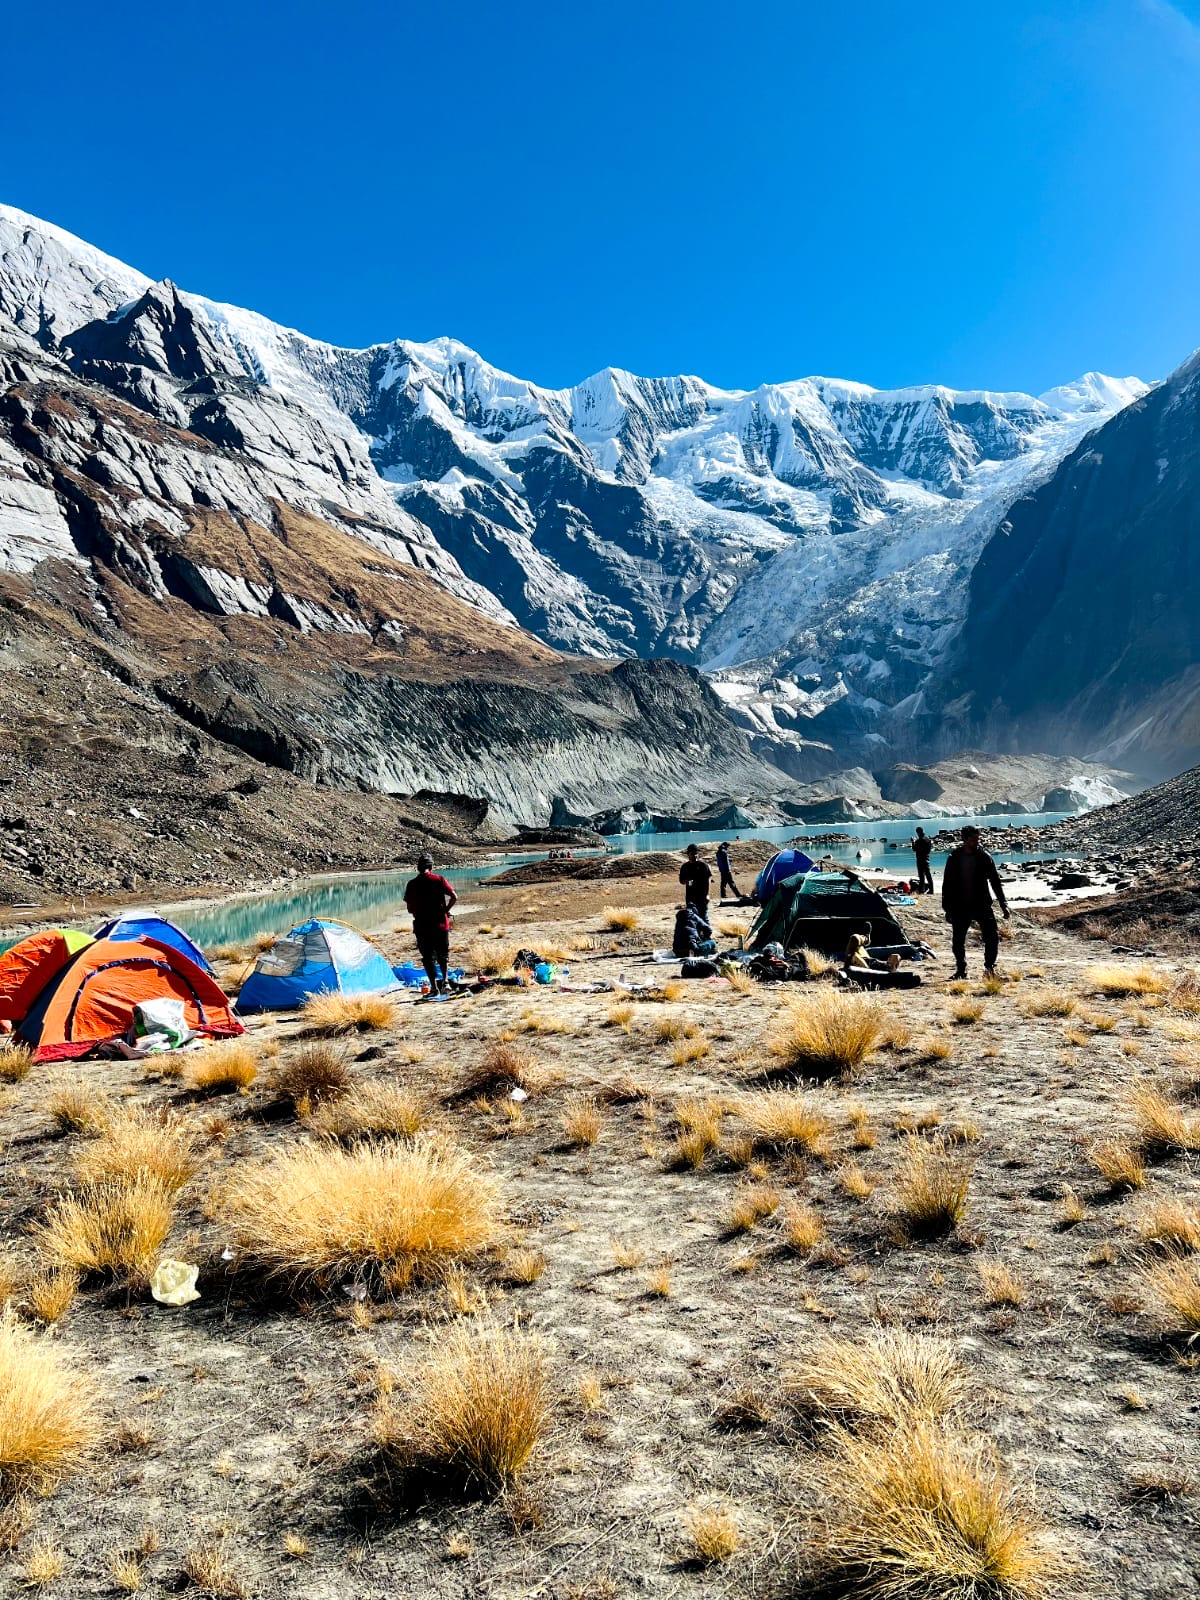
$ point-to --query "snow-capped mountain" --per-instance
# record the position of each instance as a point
(810, 541)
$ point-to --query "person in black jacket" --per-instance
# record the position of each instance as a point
(968, 883)
(695, 875)
(726, 871)
(693, 934)
(922, 847)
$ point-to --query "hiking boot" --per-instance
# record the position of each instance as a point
(959, 972)
(990, 972)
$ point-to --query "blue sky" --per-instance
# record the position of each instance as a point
(998, 194)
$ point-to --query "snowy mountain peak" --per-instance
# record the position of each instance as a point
(1094, 392)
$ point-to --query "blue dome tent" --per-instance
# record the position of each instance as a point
(783, 864)
(318, 957)
(124, 929)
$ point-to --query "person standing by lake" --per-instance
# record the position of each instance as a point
(696, 877)
(922, 848)
(726, 871)
(430, 899)
(968, 883)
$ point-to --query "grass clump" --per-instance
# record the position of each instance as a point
(1120, 982)
(317, 1073)
(924, 1513)
(699, 1121)
(1054, 1003)
(137, 1146)
(621, 919)
(1161, 1127)
(475, 1412)
(1001, 1286)
(333, 1014)
(1173, 1224)
(751, 1206)
(786, 1119)
(325, 1213)
(49, 1414)
(827, 1034)
(51, 1295)
(78, 1108)
(802, 1228)
(713, 1535)
(1119, 1164)
(931, 1189)
(489, 956)
(502, 1069)
(117, 1228)
(582, 1123)
(619, 1017)
(16, 1060)
(966, 1012)
(1174, 1284)
(224, 1068)
(370, 1110)
(887, 1379)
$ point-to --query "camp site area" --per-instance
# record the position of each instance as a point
(675, 1287)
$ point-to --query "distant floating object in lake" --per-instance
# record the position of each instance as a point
(862, 855)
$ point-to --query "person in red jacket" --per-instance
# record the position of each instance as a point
(430, 900)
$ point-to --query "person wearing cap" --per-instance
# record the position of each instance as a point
(430, 900)
(726, 871)
(968, 883)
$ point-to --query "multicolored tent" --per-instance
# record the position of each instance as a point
(783, 864)
(29, 965)
(90, 1001)
(318, 957)
(155, 928)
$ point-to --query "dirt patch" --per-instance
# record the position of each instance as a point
(242, 1422)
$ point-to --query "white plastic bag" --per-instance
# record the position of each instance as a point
(174, 1283)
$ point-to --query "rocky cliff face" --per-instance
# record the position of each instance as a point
(221, 608)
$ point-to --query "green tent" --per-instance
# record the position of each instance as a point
(821, 910)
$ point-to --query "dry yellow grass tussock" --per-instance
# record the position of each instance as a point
(620, 1017)
(931, 1188)
(222, 1068)
(1001, 1286)
(369, 1110)
(326, 1213)
(1161, 1127)
(713, 1535)
(489, 955)
(116, 1227)
(16, 1059)
(752, 1205)
(621, 919)
(1174, 1285)
(1120, 982)
(136, 1145)
(886, 1380)
(51, 1294)
(78, 1107)
(1055, 1003)
(923, 1513)
(582, 1122)
(49, 1414)
(802, 1227)
(818, 962)
(1119, 1164)
(475, 1411)
(786, 1118)
(317, 1073)
(827, 1034)
(502, 1068)
(1172, 1223)
(966, 1012)
(333, 1014)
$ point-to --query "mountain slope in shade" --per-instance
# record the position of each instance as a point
(1082, 630)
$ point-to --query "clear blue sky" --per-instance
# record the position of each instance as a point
(980, 192)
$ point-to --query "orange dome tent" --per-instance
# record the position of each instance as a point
(29, 965)
(92, 1000)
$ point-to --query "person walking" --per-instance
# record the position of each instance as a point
(726, 871)
(430, 899)
(696, 877)
(968, 883)
(922, 848)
